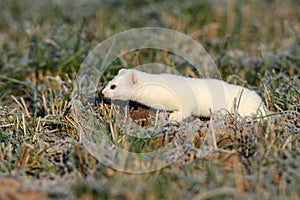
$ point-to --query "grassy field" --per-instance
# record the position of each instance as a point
(255, 44)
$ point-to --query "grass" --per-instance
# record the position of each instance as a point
(254, 44)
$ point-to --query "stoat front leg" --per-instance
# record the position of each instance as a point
(180, 115)
(176, 116)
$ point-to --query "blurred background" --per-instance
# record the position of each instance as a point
(56, 35)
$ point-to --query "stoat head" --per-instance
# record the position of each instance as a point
(122, 85)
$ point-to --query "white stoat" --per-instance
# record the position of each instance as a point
(183, 96)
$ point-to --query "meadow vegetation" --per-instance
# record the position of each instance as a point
(255, 44)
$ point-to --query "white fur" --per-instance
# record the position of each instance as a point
(184, 96)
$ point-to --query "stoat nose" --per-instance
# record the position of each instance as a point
(104, 93)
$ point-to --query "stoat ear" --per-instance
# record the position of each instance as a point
(133, 78)
(121, 71)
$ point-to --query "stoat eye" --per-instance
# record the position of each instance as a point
(112, 87)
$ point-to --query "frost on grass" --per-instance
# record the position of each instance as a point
(139, 139)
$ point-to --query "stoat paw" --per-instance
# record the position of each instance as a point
(175, 116)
